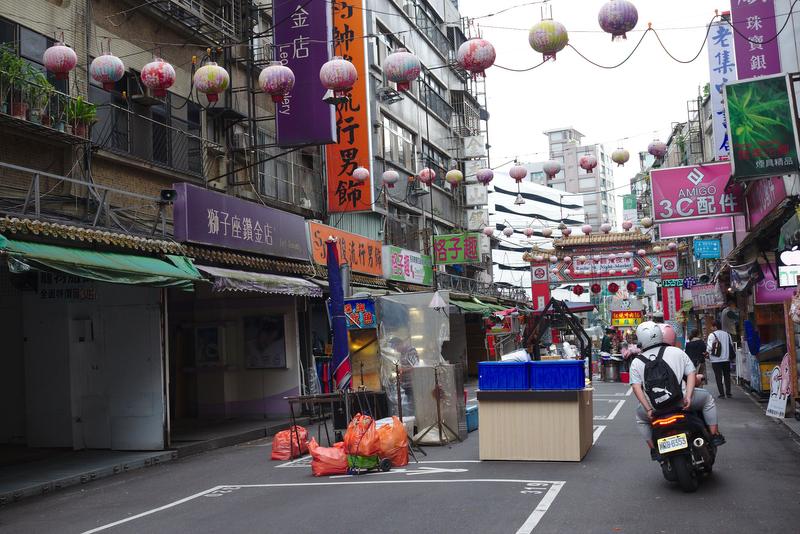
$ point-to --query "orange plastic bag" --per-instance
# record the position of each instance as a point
(361, 438)
(394, 442)
(327, 461)
(285, 446)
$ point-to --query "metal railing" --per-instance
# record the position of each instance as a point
(430, 28)
(461, 284)
(436, 103)
(124, 132)
(466, 114)
(214, 19)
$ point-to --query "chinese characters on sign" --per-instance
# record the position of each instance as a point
(756, 48)
(723, 71)
(701, 192)
(362, 254)
(456, 248)
(707, 296)
(404, 265)
(707, 249)
(301, 43)
(62, 286)
(352, 117)
(762, 197)
(211, 218)
(629, 208)
(626, 318)
(360, 313)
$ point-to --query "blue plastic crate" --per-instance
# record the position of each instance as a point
(494, 376)
(472, 418)
(557, 374)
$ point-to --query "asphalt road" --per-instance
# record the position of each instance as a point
(755, 488)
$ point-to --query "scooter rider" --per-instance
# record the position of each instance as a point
(650, 337)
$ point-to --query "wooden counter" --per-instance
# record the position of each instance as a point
(535, 425)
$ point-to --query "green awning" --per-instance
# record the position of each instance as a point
(106, 266)
(490, 307)
(468, 306)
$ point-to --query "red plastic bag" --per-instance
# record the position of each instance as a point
(361, 438)
(327, 461)
(394, 442)
(285, 446)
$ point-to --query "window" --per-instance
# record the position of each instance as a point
(559, 187)
(587, 183)
(386, 44)
(262, 41)
(557, 136)
(434, 95)
(288, 178)
(30, 46)
(398, 144)
(436, 160)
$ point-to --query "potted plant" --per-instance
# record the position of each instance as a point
(7, 56)
(58, 112)
(17, 72)
(80, 114)
(41, 91)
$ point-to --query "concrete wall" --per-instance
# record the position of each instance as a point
(12, 368)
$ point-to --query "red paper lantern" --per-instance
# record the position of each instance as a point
(613, 288)
(578, 290)
(632, 287)
(596, 288)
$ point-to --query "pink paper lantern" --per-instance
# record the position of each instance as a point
(107, 70)
(641, 252)
(485, 176)
(277, 80)
(565, 232)
(60, 60)
(338, 75)
(528, 232)
(547, 232)
(158, 75)
(567, 259)
(586, 229)
(672, 245)
(390, 178)
(657, 148)
(553, 259)
(627, 225)
(401, 67)
(211, 80)
(605, 228)
(588, 163)
(427, 176)
(508, 231)
(538, 258)
(551, 168)
(488, 232)
(361, 174)
(475, 56)
(618, 17)
(518, 173)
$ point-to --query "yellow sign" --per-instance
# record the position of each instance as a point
(626, 318)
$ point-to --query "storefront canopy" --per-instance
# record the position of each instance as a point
(231, 280)
(105, 266)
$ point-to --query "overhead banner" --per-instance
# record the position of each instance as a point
(362, 254)
(695, 227)
(695, 192)
(302, 43)
(457, 248)
(757, 51)
(762, 128)
(403, 265)
(353, 148)
(722, 71)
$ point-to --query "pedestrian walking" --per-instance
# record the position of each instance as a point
(720, 350)
(696, 350)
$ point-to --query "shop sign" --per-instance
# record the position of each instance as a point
(403, 265)
(539, 273)
(696, 192)
(707, 249)
(769, 292)
(762, 197)
(671, 298)
(715, 225)
(706, 296)
(788, 267)
(301, 43)
(780, 388)
(722, 71)
(754, 38)
(360, 313)
(475, 195)
(210, 218)
(477, 219)
(62, 286)
(669, 265)
(353, 126)
(601, 266)
(762, 128)
(626, 318)
(629, 208)
(362, 254)
(673, 282)
(457, 248)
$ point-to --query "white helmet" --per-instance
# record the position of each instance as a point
(649, 334)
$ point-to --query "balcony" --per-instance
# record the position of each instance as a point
(436, 103)
(431, 29)
(471, 286)
(215, 20)
(126, 133)
(466, 120)
(29, 103)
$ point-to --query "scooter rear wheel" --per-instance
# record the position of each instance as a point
(687, 478)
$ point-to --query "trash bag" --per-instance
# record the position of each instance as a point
(394, 442)
(361, 438)
(285, 446)
(327, 461)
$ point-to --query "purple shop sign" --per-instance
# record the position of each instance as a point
(716, 225)
(302, 43)
(768, 291)
(754, 21)
(211, 218)
(696, 192)
(762, 197)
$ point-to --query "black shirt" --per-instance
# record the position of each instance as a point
(696, 351)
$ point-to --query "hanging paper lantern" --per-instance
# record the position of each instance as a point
(158, 75)
(596, 288)
(60, 59)
(211, 79)
(551, 168)
(561, 226)
(519, 201)
(657, 267)
(508, 231)
(627, 255)
(485, 176)
(566, 232)
(554, 270)
(641, 252)
(627, 225)
(657, 249)
(454, 177)
(553, 259)
(547, 232)
(401, 67)
(586, 229)
(672, 245)
(528, 232)
(390, 178)
(612, 256)
(360, 174)
(277, 80)
(427, 176)
(620, 156)
(538, 258)
(632, 287)
(488, 232)
(657, 149)
(578, 290)
(646, 222)
(567, 259)
(518, 173)
(613, 288)
(548, 38)
(618, 17)
(635, 270)
(475, 56)
(605, 228)
(588, 163)
(338, 75)
(107, 70)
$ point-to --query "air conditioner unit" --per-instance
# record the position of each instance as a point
(305, 203)
(418, 188)
(240, 141)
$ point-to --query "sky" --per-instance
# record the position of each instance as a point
(628, 106)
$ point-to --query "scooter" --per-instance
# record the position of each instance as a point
(683, 441)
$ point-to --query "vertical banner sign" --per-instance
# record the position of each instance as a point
(754, 21)
(629, 209)
(722, 71)
(671, 296)
(353, 148)
(540, 286)
(302, 43)
(762, 197)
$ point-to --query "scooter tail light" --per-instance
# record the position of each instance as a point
(666, 421)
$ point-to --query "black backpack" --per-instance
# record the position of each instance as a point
(660, 383)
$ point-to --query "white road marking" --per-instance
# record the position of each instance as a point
(303, 460)
(450, 461)
(154, 510)
(474, 399)
(597, 431)
(408, 472)
(628, 394)
(541, 509)
(613, 413)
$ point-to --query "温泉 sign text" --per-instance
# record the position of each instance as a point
(403, 265)
(456, 248)
(698, 192)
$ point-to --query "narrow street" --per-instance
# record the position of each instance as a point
(755, 487)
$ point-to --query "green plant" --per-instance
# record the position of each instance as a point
(79, 111)
(758, 114)
(41, 90)
(13, 71)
